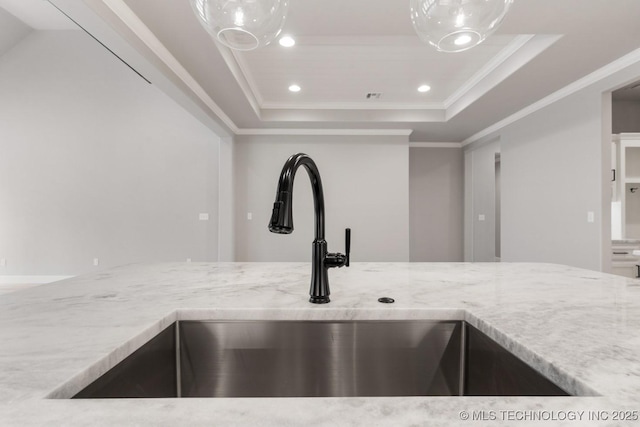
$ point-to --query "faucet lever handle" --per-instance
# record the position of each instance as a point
(347, 244)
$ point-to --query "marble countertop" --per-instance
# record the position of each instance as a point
(580, 328)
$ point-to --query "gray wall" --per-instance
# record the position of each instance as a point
(96, 163)
(626, 116)
(226, 201)
(366, 187)
(480, 201)
(436, 204)
(555, 167)
(497, 211)
(551, 178)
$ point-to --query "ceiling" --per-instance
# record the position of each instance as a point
(37, 14)
(12, 31)
(18, 18)
(346, 49)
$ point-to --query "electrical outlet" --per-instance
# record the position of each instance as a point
(591, 217)
(481, 217)
(188, 259)
(249, 216)
(203, 217)
(96, 262)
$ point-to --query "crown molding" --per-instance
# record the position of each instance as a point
(353, 115)
(371, 105)
(435, 145)
(328, 132)
(601, 73)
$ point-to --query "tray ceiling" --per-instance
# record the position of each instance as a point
(348, 49)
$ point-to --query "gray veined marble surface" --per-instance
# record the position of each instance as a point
(580, 328)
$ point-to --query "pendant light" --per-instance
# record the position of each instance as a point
(457, 25)
(242, 24)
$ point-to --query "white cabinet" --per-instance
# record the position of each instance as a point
(625, 204)
(626, 270)
(626, 187)
(624, 257)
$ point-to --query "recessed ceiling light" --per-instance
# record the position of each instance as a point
(424, 88)
(294, 88)
(287, 41)
(462, 40)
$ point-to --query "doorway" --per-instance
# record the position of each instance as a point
(625, 180)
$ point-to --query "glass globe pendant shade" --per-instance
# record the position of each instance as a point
(242, 24)
(457, 25)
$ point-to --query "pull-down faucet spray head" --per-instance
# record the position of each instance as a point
(282, 214)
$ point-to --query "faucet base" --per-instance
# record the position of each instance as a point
(319, 300)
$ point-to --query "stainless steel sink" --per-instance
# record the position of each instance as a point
(320, 358)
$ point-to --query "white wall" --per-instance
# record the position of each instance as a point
(366, 188)
(555, 167)
(435, 204)
(96, 163)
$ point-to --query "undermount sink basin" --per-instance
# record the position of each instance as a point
(320, 359)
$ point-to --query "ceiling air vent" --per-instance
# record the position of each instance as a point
(373, 95)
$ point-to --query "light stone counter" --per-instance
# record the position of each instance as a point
(578, 327)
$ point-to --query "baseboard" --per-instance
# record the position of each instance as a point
(17, 280)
